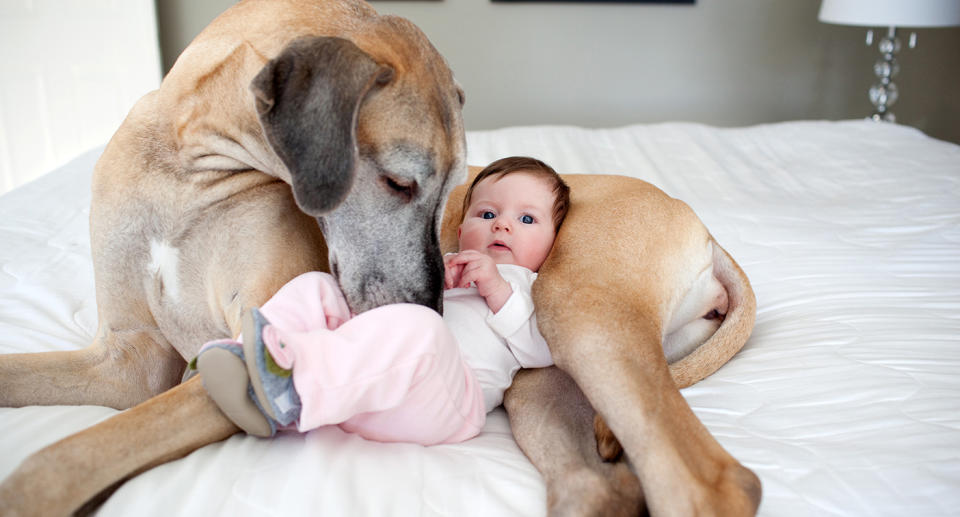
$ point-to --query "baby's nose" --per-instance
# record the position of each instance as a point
(501, 224)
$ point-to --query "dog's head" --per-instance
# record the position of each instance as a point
(370, 130)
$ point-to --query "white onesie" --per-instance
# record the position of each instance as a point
(497, 345)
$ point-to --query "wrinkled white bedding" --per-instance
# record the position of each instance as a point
(845, 401)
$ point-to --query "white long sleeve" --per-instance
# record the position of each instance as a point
(497, 345)
(516, 322)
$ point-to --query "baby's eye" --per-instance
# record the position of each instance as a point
(526, 219)
(487, 214)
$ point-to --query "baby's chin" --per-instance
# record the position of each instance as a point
(500, 255)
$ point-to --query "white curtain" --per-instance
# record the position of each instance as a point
(70, 70)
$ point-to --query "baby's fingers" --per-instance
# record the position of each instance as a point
(451, 276)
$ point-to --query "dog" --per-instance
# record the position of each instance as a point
(290, 136)
(221, 186)
(634, 280)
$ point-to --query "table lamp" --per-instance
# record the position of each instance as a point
(890, 14)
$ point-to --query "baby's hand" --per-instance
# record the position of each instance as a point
(471, 266)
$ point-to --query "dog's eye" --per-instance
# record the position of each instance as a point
(403, 188)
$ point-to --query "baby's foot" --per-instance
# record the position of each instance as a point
(225, 378)
(272, 384)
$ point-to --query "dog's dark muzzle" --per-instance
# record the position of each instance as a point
(369, 288)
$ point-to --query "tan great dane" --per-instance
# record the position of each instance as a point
(193, 221)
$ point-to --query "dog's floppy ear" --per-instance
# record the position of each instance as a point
(307, 99)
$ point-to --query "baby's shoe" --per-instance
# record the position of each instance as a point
(272, 384)
(225, 378)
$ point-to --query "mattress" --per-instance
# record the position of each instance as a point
(845, 401)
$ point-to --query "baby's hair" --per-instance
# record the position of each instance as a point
(512, 164)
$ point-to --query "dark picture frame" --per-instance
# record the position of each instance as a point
(686, 2)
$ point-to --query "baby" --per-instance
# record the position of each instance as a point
(401, 373)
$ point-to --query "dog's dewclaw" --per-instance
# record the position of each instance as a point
(608, 447)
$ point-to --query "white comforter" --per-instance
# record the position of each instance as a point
(845, 401)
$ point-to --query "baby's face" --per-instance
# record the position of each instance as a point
(510, 219)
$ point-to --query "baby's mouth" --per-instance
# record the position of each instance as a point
(497, 245)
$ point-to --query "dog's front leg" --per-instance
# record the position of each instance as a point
(551, 421)
(63, 477)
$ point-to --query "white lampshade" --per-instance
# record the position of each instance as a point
(891, 13)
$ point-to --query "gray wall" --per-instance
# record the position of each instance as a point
(720, 62)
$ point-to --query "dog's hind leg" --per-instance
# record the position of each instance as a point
(83, 465)
(551, 421)
(683, 469)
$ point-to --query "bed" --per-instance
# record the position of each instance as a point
(845, 401)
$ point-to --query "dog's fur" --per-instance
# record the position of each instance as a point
(634, 278)
(193, 221)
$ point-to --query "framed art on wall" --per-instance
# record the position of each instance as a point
(602, 1)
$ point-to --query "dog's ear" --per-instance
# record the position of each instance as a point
(307, 99)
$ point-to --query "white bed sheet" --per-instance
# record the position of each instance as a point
(845, 401)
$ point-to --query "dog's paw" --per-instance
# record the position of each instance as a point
(608, 447)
